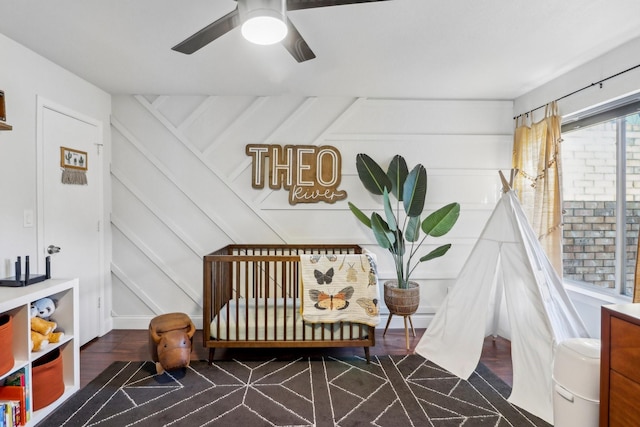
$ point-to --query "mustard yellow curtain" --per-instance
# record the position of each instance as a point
(536, 155)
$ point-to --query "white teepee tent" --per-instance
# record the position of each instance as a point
(506, 262)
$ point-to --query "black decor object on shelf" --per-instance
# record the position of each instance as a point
(27, 279)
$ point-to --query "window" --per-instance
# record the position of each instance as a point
(601, 193)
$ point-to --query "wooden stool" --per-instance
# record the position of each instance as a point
(406, 330)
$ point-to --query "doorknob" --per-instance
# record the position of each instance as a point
(53, 249)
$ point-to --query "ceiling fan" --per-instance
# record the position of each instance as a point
(246, 9)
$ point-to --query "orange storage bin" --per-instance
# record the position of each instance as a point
(6, 343)
(48, 383)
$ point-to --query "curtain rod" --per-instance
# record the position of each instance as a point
(581, 89)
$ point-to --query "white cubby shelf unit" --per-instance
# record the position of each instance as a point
(16, 301)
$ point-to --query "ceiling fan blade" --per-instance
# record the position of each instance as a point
(308, 4)
(295, 44)
(209, 33)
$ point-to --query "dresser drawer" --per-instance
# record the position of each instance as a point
(624, 407)
(625, 348)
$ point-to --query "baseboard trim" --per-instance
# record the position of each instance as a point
(142, 322)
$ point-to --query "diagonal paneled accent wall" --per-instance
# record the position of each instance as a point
(181, 184)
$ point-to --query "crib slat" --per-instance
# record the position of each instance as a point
(265, 286)
(257, 284)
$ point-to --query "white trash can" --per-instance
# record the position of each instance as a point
(576, 383)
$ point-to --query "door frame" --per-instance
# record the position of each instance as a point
(42, 104)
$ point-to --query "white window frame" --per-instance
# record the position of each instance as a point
(613, 110)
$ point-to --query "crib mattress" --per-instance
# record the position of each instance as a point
(275, 319)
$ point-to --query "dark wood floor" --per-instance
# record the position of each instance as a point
(117, 345)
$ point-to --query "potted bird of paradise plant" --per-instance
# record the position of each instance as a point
(401, 228)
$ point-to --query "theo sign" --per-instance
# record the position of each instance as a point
(310, 173)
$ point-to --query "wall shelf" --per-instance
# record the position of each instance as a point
(4, 126)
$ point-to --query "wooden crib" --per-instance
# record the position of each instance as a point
(252, 300)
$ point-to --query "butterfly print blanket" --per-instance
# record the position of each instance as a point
(340, 288)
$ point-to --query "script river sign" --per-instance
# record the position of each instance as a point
(310, 173)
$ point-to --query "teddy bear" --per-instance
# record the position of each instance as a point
(42, 329)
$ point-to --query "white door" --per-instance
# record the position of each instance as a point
(69, 215)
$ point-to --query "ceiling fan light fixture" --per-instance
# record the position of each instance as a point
(265, 22)
(264, 30)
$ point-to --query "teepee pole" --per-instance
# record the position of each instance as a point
(507, 185)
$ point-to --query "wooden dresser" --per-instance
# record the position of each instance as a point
(620, 366)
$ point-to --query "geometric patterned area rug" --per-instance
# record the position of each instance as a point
(391, 391)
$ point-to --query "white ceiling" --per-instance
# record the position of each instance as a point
(472, 49)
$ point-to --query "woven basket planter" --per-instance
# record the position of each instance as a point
(401, 302)
(6, 343)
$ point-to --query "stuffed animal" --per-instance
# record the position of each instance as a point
(42, 330)
(38, 341)
(44, 327)
(44, 308)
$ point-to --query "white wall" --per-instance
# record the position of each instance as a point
(182, 184)
(25, 75)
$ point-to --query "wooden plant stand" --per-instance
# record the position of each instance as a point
(406, 330)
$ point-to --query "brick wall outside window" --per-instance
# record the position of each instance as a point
(589, 171)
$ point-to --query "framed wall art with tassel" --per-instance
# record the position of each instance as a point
(74, 166)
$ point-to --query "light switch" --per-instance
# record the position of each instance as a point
(28, 218)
